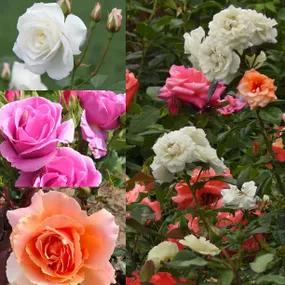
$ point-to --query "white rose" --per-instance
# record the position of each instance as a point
(47, 41)
(232, 28)
(240, 199)
(192, 43)
(163, 252)
(218, 61)
(174, 150)
(200, 245)
(160, 172)
(264, 30)
(23, 79)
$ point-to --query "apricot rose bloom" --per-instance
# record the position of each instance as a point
(55, 242)
(256, 89)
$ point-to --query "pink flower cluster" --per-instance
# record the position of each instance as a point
(33, 132)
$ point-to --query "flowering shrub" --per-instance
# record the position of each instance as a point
(206, 144)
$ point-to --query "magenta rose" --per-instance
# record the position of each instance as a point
(188, 86)
(103, 108)
(234, 105)
(68, 168)
(32, 129)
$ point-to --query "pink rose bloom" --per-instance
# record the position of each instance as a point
(132, 195)
(32, 129)
(188, 86)
(68, 168)
(95, 137)
(155, 206)
(12, 95)
(234, 105)
(55, 242)
(103, 108)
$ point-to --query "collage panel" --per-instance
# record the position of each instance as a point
(205, 135)
(62, 142)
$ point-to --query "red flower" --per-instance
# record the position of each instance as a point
(278, 149)
(134, 279)
(162, 278)
(132, 87)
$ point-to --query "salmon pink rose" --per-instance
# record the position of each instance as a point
(32, 129)
(81, 172)
(256, 89)
(55, 242)
(132, 87)
(155, 206)
(188, 86)
(103, 108)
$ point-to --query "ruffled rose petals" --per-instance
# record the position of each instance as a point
(55, 242)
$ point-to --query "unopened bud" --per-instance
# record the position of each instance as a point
(65, 5)
(6, 71)
(96, 14)
(114, 21)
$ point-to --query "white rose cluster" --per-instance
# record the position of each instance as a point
(47, 41)
(175, 150)
(230, 32)
(240, 199)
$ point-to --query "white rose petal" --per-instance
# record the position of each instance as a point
(200, 245)
(47, 41)
(240, 199)
(23, 79)
(163, 252)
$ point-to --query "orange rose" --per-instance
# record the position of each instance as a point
(55, 242)
(132, 87)
(256, 89)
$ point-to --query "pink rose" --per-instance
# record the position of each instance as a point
(32, 129)
(55, 242)
(188, 86)
(95, 137)
(67, 169)
(12, 95)
(103, 108)
(132, 195)
(234, 105)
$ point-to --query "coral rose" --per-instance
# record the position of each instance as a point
(81, 172)
(188, 86)
(155, 206)
(32, 129)
(55, 242)
(132, 87)
(256, 89)
(278, 149)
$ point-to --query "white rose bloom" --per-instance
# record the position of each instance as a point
(232, 28)
(163, 252)
(192, 43)
(264, 30)
(218, 61)
(174, 150)
(240, 199)
(47, 41)
(200, 245)
(178, 148)
(23, 79)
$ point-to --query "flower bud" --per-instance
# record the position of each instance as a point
(6, 71)
(114, 21)
(96, 14)
(65, 5)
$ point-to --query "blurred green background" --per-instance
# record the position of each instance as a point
(112, 73)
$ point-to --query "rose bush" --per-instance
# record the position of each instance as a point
(227, 223)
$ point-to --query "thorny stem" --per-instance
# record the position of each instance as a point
(84, 52)
(102, 59)
(269, 149)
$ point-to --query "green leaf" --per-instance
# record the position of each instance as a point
(261, 262)
(272, 115)
(226, 277)
(98, 80)
(147, 271)
(183, 264)
(271, 279)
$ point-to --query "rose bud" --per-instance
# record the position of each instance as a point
(6, 71)
(114, 22)
(96, 14)
(65, 6)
